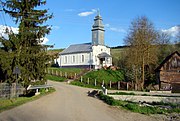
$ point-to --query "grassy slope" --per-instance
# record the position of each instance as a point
(106, 75)
(68, 70)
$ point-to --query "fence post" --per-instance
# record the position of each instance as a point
(75, 75)
(81, 79)
(88, 81)
(48, 71)
(52, 71)
(103, 83)
(56, 73)
(119, 85)
(110, 84)
(66, 74)
(127, 85)
(95, 82)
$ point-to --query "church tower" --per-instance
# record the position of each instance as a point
(98, 31)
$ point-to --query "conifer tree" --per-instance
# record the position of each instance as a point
(29, 54)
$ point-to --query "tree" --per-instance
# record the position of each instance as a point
(164, 46)
(29, 54)
(142, 51)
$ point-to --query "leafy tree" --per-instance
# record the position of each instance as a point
(142, 53)
(26, 49)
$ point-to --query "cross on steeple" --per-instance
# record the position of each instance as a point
(98, 12)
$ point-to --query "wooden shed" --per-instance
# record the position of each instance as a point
(168, 73)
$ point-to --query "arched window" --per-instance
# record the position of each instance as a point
(82, 58)
(65, 59)
(73, 59)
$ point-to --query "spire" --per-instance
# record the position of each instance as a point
(98, 30)
(98, 12)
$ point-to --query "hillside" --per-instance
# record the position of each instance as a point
(118, 53)
(106, 75)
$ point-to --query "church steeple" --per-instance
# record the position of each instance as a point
(98, 30)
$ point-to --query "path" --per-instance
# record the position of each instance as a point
(70, 103)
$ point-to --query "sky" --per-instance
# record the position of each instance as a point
(73, 19)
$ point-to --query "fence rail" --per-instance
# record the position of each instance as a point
(68, 75)
(120, 85)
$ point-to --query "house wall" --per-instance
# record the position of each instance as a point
(170, 74)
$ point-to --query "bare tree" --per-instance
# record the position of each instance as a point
(141, 38)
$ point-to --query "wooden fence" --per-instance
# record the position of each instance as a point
(10, 91)
(120, 85)
(68, 75)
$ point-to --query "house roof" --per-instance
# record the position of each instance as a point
(166, 59)
(78, 48)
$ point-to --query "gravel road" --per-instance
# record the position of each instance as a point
(70, 103)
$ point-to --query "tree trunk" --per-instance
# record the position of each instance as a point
(143, 74)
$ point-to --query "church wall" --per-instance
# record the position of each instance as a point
(97, 50)
(78, 59)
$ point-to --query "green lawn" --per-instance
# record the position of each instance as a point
(55, 78)
(68, 70)
(6, 104)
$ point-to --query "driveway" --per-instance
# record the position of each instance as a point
(70, 103)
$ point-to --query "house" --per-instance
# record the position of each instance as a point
(93, 55)
(168, 73)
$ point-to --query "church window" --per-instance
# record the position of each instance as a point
(82, 59)
(65, 60)
(73, 59)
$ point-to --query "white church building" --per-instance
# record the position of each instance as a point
(92, 55)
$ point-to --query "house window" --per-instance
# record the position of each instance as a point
(65, 59)
(82, 58)
(73, 59)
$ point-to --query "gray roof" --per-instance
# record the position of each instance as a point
(78, 48)
(103, 55)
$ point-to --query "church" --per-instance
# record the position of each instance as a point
(94, 55)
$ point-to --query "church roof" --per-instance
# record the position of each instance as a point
(78, 48)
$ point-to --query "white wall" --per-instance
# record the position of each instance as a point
(76, 61)
(98, 50)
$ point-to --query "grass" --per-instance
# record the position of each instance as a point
(122, 93)
(68, 70)
(106, 75)
(135, 107)
(100, 76)
(6, 104)
(55, 78)
(78, 83)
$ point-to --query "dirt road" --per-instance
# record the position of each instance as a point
(70, 103)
